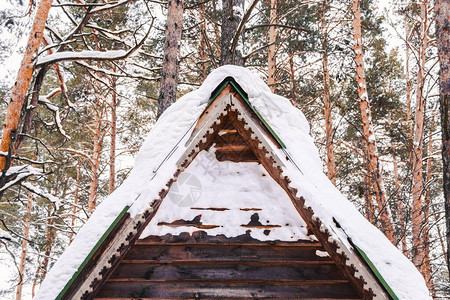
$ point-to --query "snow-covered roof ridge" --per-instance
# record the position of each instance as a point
(164, 144)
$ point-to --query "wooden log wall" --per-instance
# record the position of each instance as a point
(205, 267)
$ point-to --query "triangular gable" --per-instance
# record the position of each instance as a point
(229, 104)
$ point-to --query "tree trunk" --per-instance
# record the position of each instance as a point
(75, 203)
(417, 163)
(23, 254)
(426, 267)
(331, 164)
(98, 141)
(369, 137)
(50, 234)
(442, 11)
(203, 43)
(401, 210)
(232, 13)
(169, 74)
(20, 89)
(272, 38)
(113, 133)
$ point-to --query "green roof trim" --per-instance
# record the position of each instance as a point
(244, 95)
(374, 270)
(89, 256)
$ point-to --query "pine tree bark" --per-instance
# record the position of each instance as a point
(20, 89)
(442, 11)
(113, 133)
(271, 60)
(417, 156)
(23, 254)
(97, 148)
(401, 210)
(369, 137)
(50, 237)
(203, 43)
(169, 74)
(426, 266)
(232, 13)
(75, 203)
(331, 164)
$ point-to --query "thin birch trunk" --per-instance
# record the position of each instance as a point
(23, 254)
(331, 164)
(170, 67)
(20, 89)
(272, 38)
(369, 137)
(417, 163)
(442, 12)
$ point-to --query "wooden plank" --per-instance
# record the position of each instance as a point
(202, 290)
(231, 271)
(228, 281)
(242, 298)
(223, 252)
(216, 262)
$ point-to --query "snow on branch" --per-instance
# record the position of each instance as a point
(90, 54)
(4, 235)
(38, 191)
(55, 110)
(16, 174)
(109, 6)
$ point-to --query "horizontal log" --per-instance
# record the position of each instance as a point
(223, 252)
(235, 155)
(204, 290)
(216, 262)
(230, 271)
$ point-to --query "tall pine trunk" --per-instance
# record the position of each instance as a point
(20, 89)
(113, 133)
(369, 137)
(23, 254)
(203, 43)
(331, 164)
(426, 267)
(271, 60)
(232, 13)
(75, 204)
(95, 166)
(417, 156)
(169, 74)
(442, 11)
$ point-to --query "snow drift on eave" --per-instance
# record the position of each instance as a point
(293, 129)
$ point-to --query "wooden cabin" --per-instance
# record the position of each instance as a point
(227, 223)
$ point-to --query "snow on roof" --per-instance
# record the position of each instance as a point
(154, 166)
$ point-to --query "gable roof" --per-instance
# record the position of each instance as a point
(159, 159)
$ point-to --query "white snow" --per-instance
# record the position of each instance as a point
(88, 54)
(154, 166)
(41, 193)
(20, 173)
(211, 183)
(5, 235)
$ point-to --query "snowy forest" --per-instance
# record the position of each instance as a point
(83, 82)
